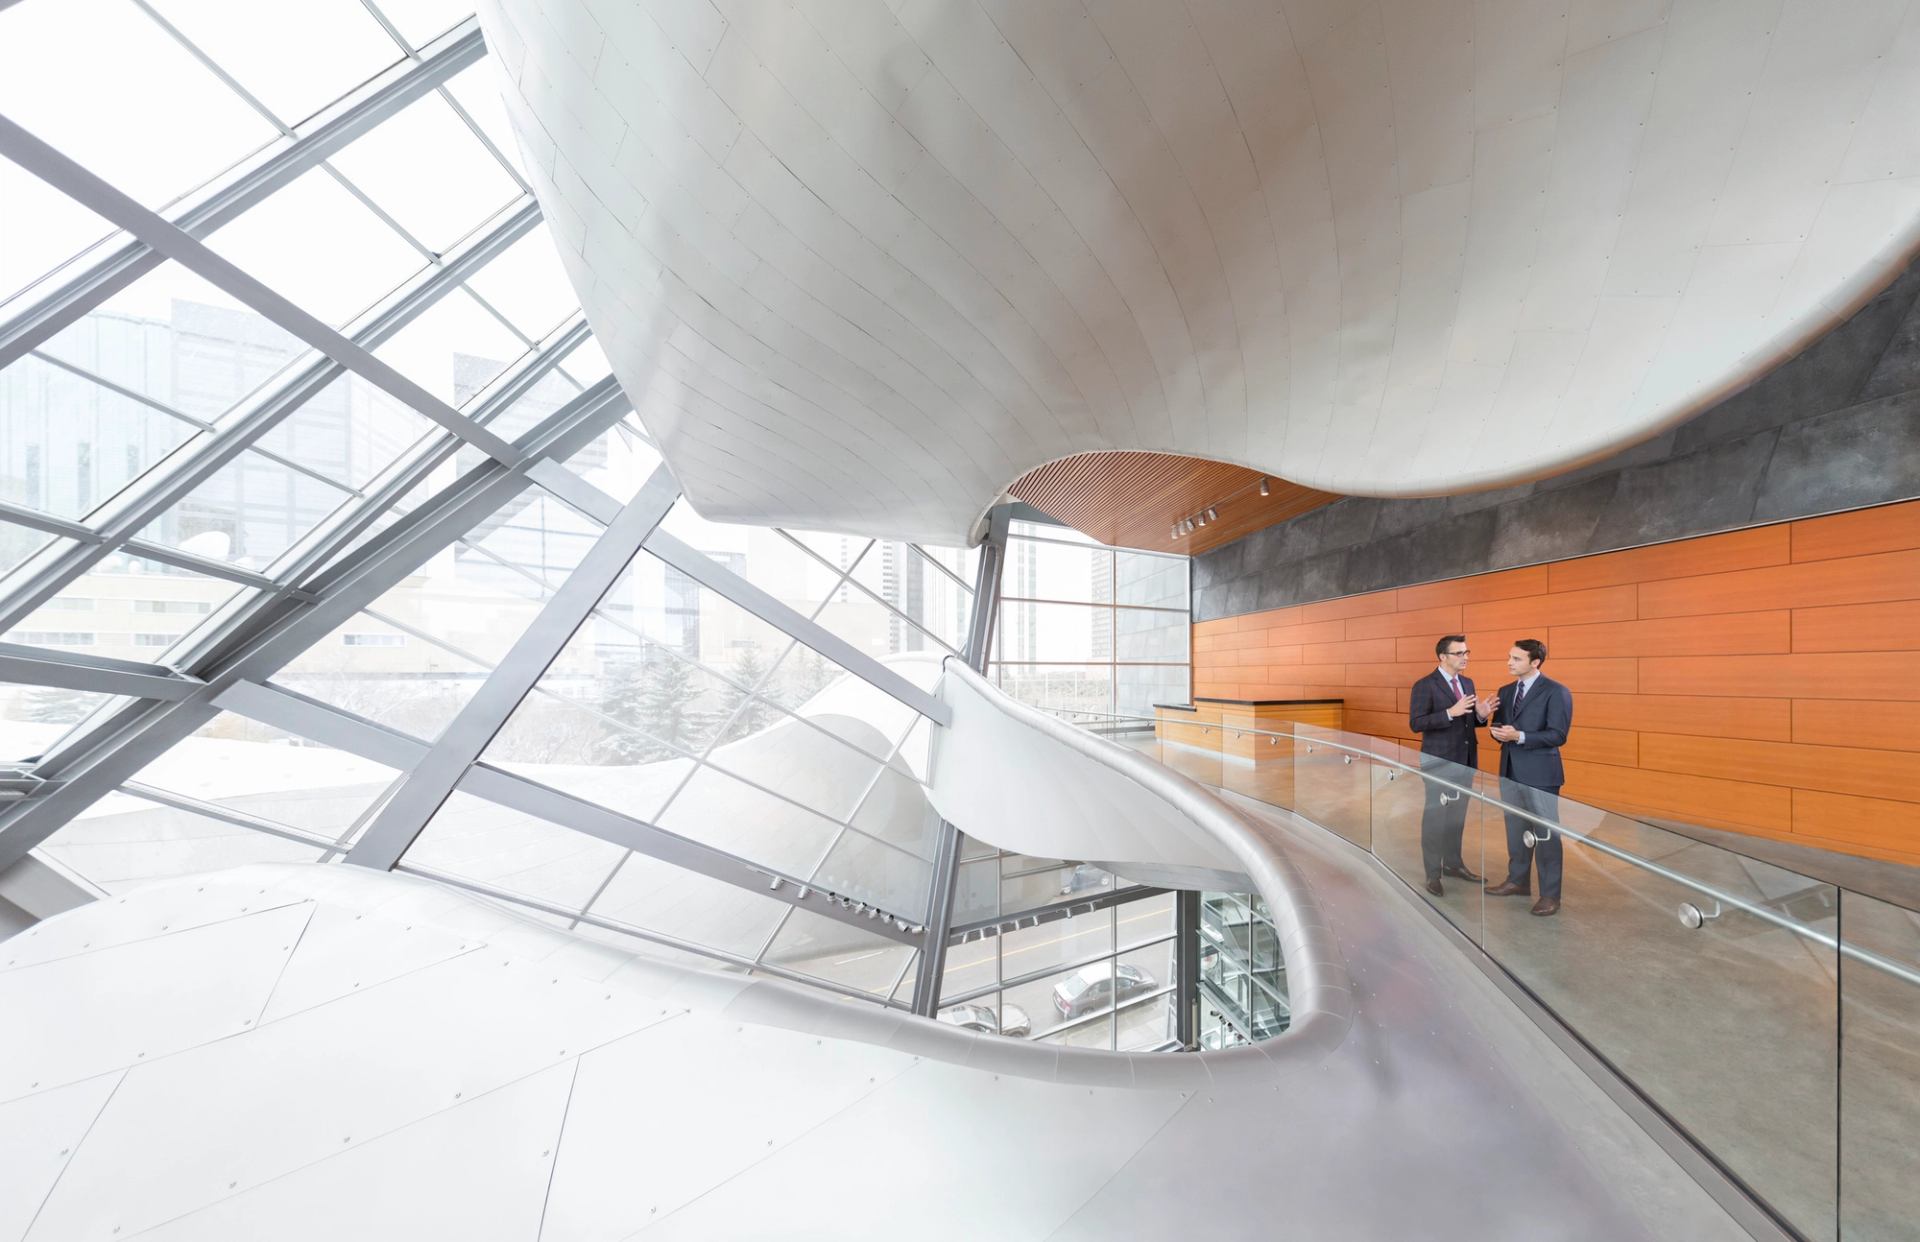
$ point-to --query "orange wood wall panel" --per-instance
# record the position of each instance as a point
(1858, 627)
(1857, 722)
(1839, 821)
(1766, 680)
(1740, 549)
(1888, 528)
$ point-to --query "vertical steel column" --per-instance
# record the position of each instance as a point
(946, 858)
(1186, 965)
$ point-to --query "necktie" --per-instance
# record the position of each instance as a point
(1518, 695)
(1456, 687)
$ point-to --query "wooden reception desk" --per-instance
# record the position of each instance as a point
(1213, 724)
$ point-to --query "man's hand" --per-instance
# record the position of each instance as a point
(1461, 706)
(1488, 706)
(1505, 733)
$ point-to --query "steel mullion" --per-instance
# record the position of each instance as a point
(346, 120)
(46, 523)
(1081, 603)
(196, 461)
(226, 815)
(22, 664)
(934, 561)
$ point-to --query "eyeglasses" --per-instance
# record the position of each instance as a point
(1462, 651)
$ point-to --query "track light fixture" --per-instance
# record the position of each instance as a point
(1211, 514)
(1263, 487)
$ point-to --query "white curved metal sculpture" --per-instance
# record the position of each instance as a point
(861, 267)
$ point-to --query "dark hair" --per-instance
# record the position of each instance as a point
(1446, 641)
(1535, 649)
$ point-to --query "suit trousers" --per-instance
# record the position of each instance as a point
(1442, 825)
(1524, 859)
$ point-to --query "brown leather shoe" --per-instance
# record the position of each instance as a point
(1507, 888)
(1433, 886)
(1461, 873)
(1546, 906)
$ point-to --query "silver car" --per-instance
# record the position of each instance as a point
(1102, 985)
(983, 1019)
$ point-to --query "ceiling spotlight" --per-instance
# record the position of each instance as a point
(1211, 515)
(1263, 487)
(1202, 519)
(774, 884)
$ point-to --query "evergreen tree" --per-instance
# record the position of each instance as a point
(659, 698)
(754, 715)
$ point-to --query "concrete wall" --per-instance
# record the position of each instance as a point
(1837, 427)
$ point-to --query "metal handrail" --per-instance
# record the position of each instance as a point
(1726, 900)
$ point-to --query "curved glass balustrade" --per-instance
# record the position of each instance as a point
(1769, 1015)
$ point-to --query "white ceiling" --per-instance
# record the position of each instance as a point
(862, 265)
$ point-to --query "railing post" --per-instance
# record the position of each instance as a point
(946, 858)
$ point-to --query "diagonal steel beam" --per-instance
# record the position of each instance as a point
(432, 780)
(169, 239)
(319, 139)
(354, 735)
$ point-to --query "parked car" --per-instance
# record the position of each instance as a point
(983, 1019)
(1100, 986)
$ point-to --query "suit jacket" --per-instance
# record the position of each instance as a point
(1545, 717)
(1451, 738)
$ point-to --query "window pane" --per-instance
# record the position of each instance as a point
(128, 608)
(453, 349)
(1143, 635)
(261, 771)
(421, 21)
(587, 364)
(67, 444)
(478, 840)
(572, 746)
(825, 948)
(477, 91)
(549, 393)
(438, 200)
(869, 871)
(247, 513)
(1050, 571)
(762, 557)
(19, 543)
(122, 842)
(175, 338)
(320, 248)
(1155, 581)
(350, 431)
(660, 897)
(794, 759)
(33, 718)
(176, 125)
(45, 228)
(372, 669)
(527, 285)
(1138, 687)
(1074, 687)
(1054, 633)
(337, 47)
(615, 463)
(730, 815)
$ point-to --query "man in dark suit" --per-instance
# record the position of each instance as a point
(1534, 714)
(1444, 710)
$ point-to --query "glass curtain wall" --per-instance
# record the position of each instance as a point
(171, 460)
(1084, 627)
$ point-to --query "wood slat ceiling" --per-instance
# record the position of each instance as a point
(1132, 500)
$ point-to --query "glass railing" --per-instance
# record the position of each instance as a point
(1772, 1017)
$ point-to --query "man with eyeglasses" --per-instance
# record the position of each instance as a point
(1444, 710)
